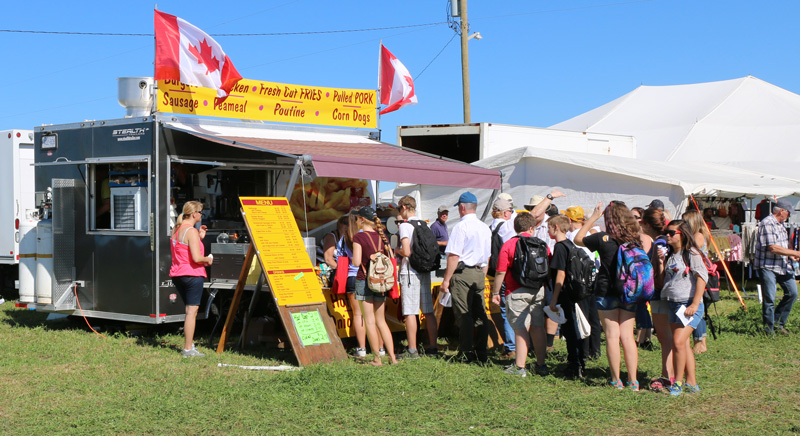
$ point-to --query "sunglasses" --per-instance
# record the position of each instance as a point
(673, 232)
(637, 217)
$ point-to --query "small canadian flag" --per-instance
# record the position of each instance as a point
(187, 54)
(397, 86)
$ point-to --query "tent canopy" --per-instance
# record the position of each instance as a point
(731, 120)
(346, 154)
(589, 178)
(690, 177)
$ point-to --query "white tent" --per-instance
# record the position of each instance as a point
(743, 119)
(589, 178)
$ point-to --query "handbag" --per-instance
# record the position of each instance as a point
(339, 285)
(584, 328)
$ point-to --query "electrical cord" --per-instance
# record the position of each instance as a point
(75, 290)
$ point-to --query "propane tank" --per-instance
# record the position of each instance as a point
(27, 259)
(45, 278)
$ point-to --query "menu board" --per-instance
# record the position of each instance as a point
(281, 251)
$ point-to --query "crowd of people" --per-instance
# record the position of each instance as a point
(532, 315)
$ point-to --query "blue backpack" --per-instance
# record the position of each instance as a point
(634, 275)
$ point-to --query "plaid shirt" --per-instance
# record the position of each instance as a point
(771, 232)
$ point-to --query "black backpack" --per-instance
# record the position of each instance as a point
(711, 294)
(497, 244)
(529, 268)
(581, 273)
(424, 248)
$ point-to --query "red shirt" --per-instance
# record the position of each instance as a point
(504, 261)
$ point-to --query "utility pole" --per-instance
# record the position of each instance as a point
(465, 58)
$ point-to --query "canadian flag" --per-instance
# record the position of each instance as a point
(397, 87)
(187, 54)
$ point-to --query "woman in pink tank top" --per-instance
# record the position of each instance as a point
(188, 268)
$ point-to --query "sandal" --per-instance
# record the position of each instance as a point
(617, 384)
(659, 383)
(634, 385)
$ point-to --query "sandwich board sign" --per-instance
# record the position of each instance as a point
(279, 247)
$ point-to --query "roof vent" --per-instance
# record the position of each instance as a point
(135, 94)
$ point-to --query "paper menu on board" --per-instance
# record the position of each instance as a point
(309, 328)
(281, 250)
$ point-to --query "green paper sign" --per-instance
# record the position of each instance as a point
(310, 328)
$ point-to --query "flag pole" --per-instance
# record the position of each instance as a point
(155, 82)
(378, 92)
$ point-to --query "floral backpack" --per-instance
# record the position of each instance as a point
(634, 275)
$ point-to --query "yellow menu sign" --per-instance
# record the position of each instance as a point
(270, 101)
(281, 251)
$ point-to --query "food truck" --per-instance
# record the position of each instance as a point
(109, 192)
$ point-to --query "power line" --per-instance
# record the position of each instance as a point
(318, 32)
(322, 32)
(437, 55)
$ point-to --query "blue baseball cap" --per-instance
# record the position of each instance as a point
(467, 197)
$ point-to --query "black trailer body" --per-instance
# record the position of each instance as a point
(118, 265)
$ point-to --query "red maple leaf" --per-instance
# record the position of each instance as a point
(204, 56)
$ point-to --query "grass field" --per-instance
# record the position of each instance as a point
(56, 377)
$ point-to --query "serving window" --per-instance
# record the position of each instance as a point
(118, 196)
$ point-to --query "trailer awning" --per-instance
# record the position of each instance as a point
(356, 157)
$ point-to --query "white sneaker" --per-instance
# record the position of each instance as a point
(360, 352)
(192, 353)
(382, 352)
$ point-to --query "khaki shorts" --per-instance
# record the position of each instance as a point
(525, 307)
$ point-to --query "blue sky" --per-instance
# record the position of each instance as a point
(539, 62)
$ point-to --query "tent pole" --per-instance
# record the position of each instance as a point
(489, 205)
(721, 258)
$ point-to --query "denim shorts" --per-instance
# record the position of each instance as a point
(694, 321)
(350, 287)
(190, 288)
(611, 303)
(365, 294)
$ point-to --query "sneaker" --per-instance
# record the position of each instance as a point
(574, 373)
(541, 370)
(459, 358)
(408, 354)
(691, 389)
(192, 353)
(675, 389)
(360, 352)
(784, 332)
(647, 345)
(381, 351)
(508, 355)
(617, 384)
(513, 369)
(432, 352)
(634, 385)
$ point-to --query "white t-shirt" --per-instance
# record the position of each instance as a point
(542, 233)
(406, 232)
(471, 240)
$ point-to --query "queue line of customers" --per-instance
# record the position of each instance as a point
(468, 251)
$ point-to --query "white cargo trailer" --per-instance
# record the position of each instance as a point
(16, 200)
(476, 141)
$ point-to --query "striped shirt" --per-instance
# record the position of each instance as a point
(771, 232)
